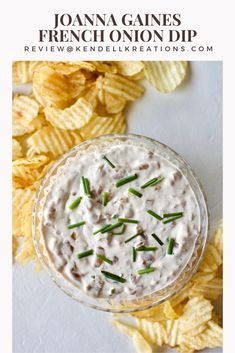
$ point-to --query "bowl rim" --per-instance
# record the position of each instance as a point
(64, 157)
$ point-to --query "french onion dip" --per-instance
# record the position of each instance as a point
(120, 221)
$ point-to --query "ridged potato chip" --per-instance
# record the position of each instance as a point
(77, 84)
(26, 171)
(173, 333)
(169, 311)
(50, 88)
(129, 68)
(16, 150)
(165, 76)
(19, 198)
(100, 125)
(210, 290)
(91, 95)
(197, 312)
(122, 87)
(105, 66)
(74, 117)
(14, 245)
(152, 314)
(22, 71)
(212, 259)
(50, 140)
(141, 345)
(24, 110)
(114, 104)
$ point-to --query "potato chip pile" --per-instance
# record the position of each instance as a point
(188, 321)
(70, 102)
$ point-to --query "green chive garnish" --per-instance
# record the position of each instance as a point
(105, 259)
(76, 225)
(167, 215)
(114, 277)
(146, 248)
(157, 239)
(126, 180)
(109, 162)
(155, 215)
(85, 254)
(75, 203)
(127, 220)
(135, 192)
(146, 270)
(152, 182)
(86, 186)
(134, 254)
(111, 227)
(170, 246)
(172, 219)
(105, 198)
(134, 236)
(121, 231)
(101, 229)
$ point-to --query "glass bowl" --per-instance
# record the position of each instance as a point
(112, 304)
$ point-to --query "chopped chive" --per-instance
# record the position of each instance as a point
(113, 290)
(134, 254)
(146, 248)
(122, 230)
(85, 254)
(88, 187)
(114, 277)
(75, 203)
(127, 220)
(105, 198)
(101, 229)
(105, 259)
(76, 225)
(84, 184)
(146, 270)
(157, 239)
(152, 182)
(126, 180)
(172, 219)
(135, 192)
(111, 227)
(155, 215)
(170, 246)
(167, 215)
(109, 162)
(134, 236)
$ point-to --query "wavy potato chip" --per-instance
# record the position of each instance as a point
(24, 110)
(50, 140)
(212, 259)
(139, 342)
(210, 290)
(122, 87)
(100, 125)
(197, 312)
(72, 118)
(16, 150)
(76, 82)
(129, 68)
(114, 104)
(26, 171)
(173, 333)
(169, 311)
(50, 88)
(19, 198)
(105, 66)
(22, 71)
(165, 76)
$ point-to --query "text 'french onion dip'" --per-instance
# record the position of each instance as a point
(119, 221)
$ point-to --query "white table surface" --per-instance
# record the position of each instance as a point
(189, 120)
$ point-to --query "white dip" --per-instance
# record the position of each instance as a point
(171, 195)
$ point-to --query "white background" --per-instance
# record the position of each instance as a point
(189, 120)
